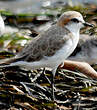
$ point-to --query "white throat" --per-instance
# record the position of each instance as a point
(73, 28)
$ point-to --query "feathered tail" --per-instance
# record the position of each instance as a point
(7, 62)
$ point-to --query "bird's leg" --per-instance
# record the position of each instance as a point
(46, 76)
(53, 75)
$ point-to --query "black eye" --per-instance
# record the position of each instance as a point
(75, 20)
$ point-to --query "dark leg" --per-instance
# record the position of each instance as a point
(53, 75)
(53, 95)
(46, 76)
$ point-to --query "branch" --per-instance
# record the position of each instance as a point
(83, 67)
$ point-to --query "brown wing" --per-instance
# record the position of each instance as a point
(46, 44)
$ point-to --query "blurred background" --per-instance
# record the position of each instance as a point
(34, 6)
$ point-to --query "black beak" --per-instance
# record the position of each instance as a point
(88, 24)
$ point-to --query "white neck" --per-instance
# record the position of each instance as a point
(73, 28)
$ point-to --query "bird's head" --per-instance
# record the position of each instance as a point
(73, 20)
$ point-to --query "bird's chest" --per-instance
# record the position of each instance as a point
(67, 48)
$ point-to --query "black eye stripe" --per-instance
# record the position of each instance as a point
(75, 20)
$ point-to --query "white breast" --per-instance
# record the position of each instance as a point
(63, 53)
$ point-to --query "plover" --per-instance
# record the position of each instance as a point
(52, 47)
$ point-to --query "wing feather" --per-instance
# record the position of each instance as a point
(46, 44)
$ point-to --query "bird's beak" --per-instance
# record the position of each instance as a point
(88, 24)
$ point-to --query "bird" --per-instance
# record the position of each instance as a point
(51, 47)
(2, 26)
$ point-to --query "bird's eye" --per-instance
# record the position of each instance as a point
(75, 20)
